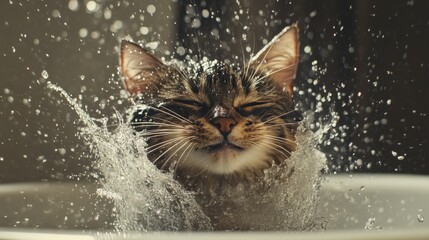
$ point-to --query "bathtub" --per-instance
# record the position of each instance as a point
(354, 206)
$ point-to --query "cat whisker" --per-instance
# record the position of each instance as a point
(251, 55)
(171, 113)
(155, 135)
(162, 144)
(258, 146)
(271, 73)
(244, 60)
(155, 124)
(152, 134)
(276, 137)
(147, 124)
(279, 147)
(165, 143)
(128, 65)
(164, 120)
(278, 116)
(174, 153)
(177, 115)
(190, 147)
(167, 150)
(279, 139)
(138, 73)
(284, 124)
(274, 148)
(163, 130)
(276, 71)
(262, 61)
(182, 73)
(198, 46)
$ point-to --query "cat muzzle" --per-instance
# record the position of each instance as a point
(223, 145)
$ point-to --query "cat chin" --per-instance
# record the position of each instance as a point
(227, 161)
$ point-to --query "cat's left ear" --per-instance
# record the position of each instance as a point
(139, 68)
(279, 58)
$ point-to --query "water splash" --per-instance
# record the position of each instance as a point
(283, 201)
(150, 200)
(369, 224)
(146, 198)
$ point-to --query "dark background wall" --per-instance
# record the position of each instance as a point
(366, 62)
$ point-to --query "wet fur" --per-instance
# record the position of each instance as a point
(175, 108)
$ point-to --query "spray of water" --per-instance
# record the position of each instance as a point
(150, 200)
(146, 198)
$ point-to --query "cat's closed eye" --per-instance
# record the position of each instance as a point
(252, 106)
(195, 105)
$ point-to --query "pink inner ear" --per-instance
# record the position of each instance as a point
(139, 68)
(286, 80)
(279, 58)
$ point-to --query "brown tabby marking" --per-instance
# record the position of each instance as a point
(215, 123)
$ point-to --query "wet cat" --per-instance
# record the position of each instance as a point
(214, 123)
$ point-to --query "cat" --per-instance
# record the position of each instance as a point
(215, 124)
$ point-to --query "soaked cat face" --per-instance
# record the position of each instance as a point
(214, 118)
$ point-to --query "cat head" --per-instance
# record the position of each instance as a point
(211, 117)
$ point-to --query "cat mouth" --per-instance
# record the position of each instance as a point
(223, 146)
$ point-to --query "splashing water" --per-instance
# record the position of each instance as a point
(150, 200)
(146, 198)
(283, 201)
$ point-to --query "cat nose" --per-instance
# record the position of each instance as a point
(224, 124)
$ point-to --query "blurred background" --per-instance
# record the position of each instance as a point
(365, 62)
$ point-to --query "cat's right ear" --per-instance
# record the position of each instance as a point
(139, 68)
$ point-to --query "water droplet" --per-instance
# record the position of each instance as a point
(95, 34)
(151, 9)
(73, 5)
(45, 74)
(369, 224)
(91, 6)
(205, 13)
(181, 51)
(196, 23)
(116, 26)
(62, 151)
(107, 14)
(420, 218)
(83, 32)
(144, 30)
